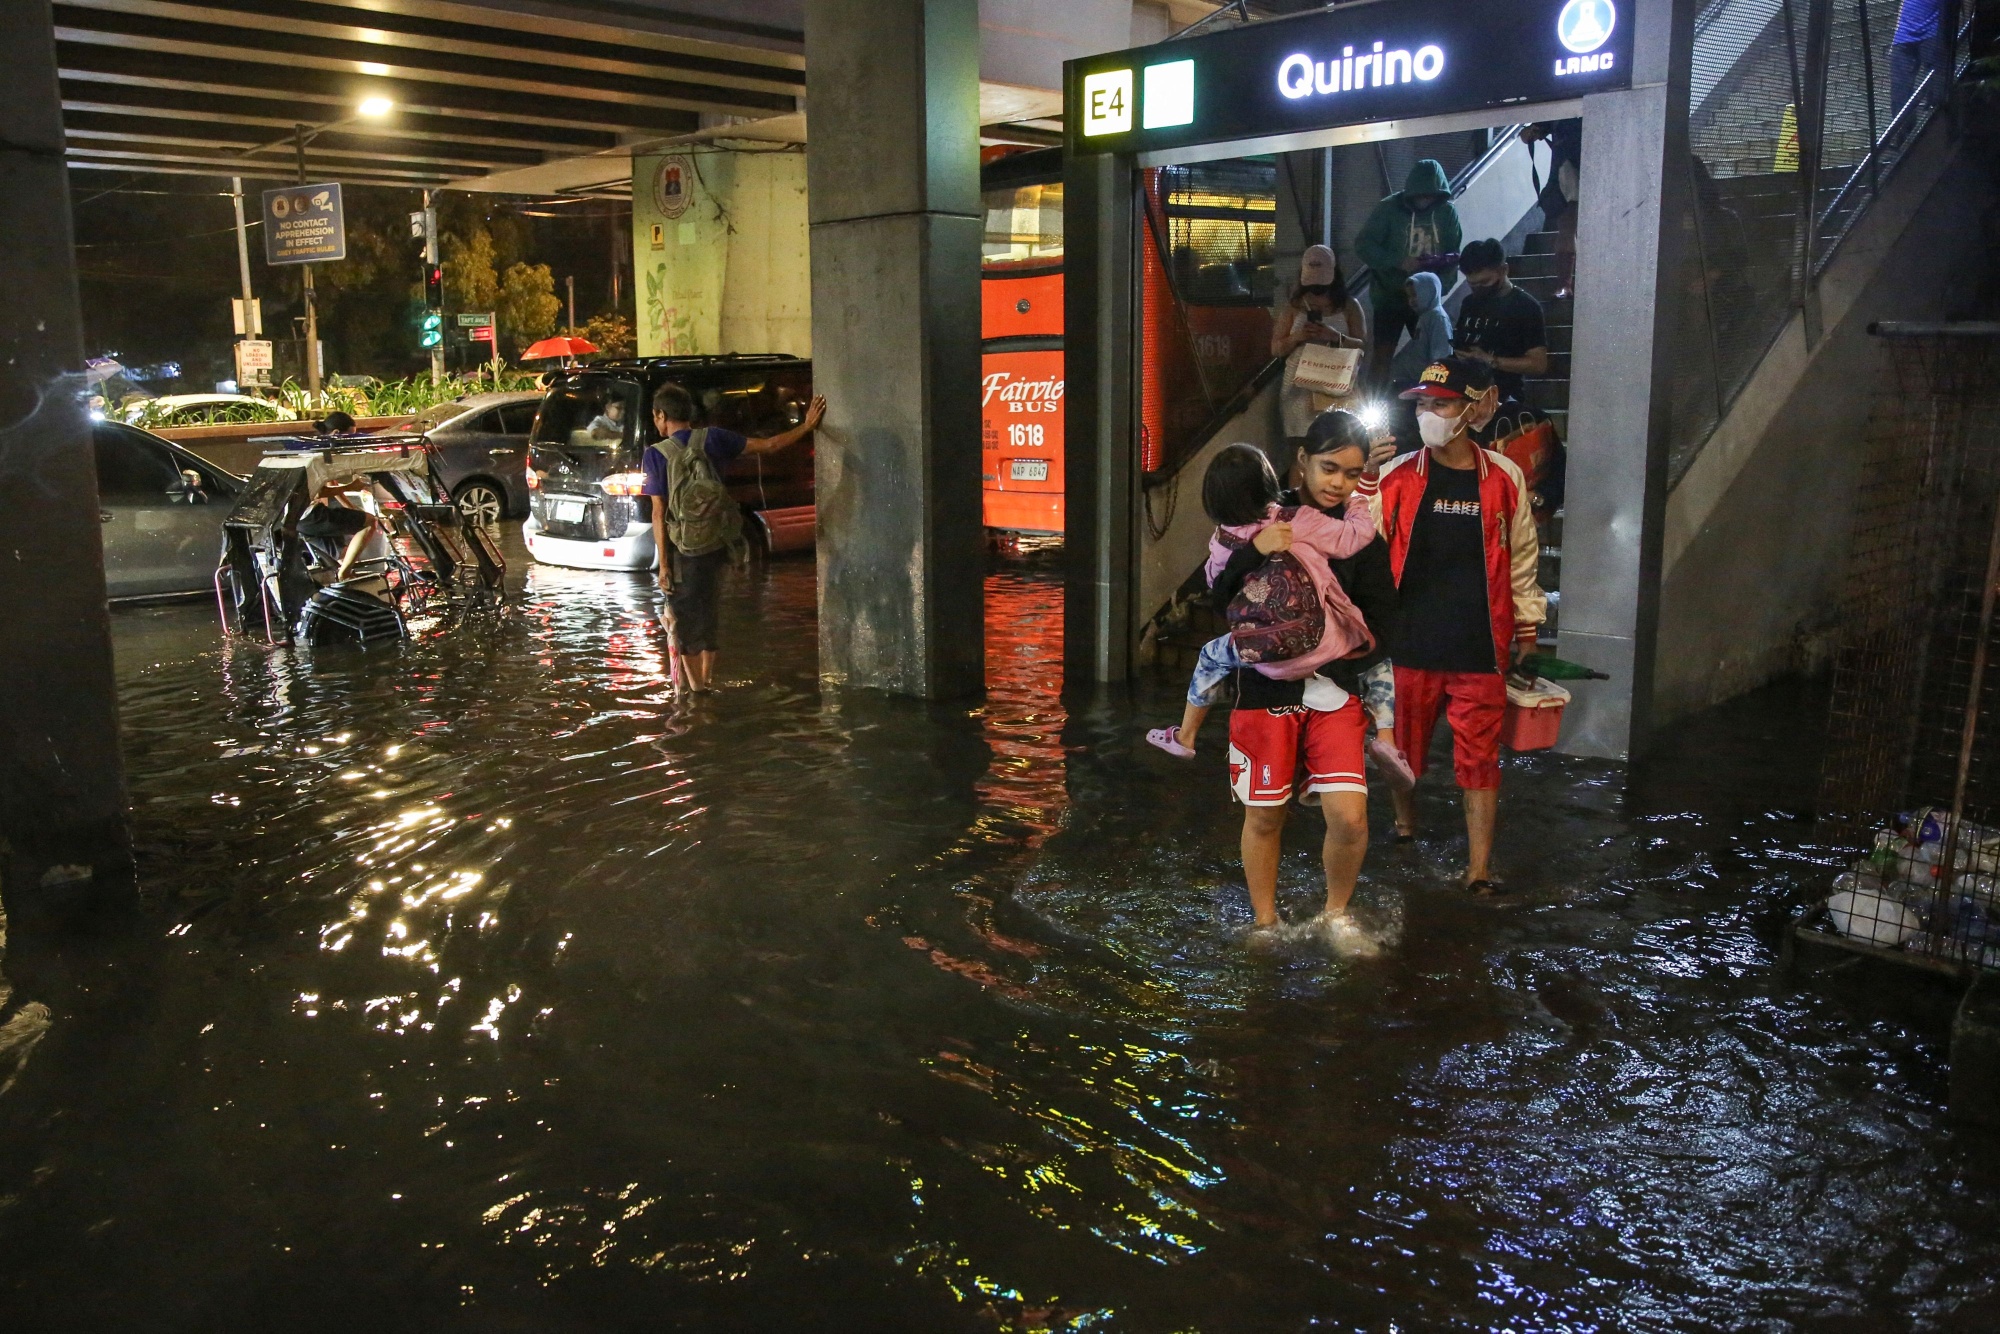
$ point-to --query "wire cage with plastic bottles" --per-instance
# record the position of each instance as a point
(1911, 778)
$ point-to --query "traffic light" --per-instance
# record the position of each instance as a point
(434, 287)
(432, 329)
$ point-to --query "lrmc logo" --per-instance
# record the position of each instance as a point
(1582, 27)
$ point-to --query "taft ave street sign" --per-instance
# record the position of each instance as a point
(1346, 66)
(303, 224)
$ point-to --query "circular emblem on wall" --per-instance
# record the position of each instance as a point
(1585, 25)
(673, 185)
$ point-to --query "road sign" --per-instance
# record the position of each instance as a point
(253, 361)
(304, 224)
(475, 321)
(248, 316)
(482, 333)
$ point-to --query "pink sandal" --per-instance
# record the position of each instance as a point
(1168, 739)
(1395, 769)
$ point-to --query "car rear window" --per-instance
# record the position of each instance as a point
(591, 414)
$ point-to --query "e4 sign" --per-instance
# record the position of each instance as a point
(1107, 102)
(1166, 98)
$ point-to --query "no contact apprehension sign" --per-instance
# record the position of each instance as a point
(303, 224)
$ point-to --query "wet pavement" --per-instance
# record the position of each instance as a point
(482, 987)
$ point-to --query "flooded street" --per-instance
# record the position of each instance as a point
(481, 986)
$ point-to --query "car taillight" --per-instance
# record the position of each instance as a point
(534, 480)
(624, 484)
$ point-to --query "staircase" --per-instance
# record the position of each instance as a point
(1534, 272)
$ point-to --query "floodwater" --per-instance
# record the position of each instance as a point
(481, 987)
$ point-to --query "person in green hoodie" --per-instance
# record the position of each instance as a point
(1413, 230)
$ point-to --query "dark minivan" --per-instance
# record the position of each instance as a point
(594, 427)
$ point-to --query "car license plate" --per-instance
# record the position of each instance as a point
(568, 511)
(1028, 470)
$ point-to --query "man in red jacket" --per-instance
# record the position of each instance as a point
(1460, 525)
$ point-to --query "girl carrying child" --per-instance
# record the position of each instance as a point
(1333, 459)
(1289, 709)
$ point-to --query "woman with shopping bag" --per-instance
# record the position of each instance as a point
(1320, 334)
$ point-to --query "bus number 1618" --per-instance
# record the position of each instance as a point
(1024, 435)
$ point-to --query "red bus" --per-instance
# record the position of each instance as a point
(1207, 292)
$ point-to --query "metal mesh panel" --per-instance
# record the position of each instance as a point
(1912, 771)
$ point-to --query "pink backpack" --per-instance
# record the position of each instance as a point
(1277, 615)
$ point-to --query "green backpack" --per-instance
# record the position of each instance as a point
(701, 515)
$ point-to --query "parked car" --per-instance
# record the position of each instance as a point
(481, 445)
(592, 433)
(162, 510)
(201, 409)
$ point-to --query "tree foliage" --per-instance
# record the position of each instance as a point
(470, 280)
(528, 307)
(610, 333)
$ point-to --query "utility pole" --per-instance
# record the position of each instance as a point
(242, 245)
(250, 322)
(430, 262)
(571, 280)
(306, 275)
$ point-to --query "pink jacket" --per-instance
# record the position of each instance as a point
(1316, 539)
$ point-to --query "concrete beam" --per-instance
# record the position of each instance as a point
(1100, 449)
(62, 786)
(895, 224)
(1631, 253)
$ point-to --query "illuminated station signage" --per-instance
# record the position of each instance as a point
(1346, 66)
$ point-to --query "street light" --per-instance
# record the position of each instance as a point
(376, 107)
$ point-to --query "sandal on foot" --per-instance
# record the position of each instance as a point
(1484, 889)
(1395, 769)
(1168, 739)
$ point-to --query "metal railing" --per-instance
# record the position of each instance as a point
(1802, 110)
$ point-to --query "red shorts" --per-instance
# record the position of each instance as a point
(1473, 703)
(1265, 747)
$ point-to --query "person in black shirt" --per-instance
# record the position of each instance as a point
(1500, 324)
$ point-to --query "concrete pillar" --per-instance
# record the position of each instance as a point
(1100, 442)
(892, 93)
(1631, 255)
(62, 786)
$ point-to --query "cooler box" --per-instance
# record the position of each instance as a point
(1534, 715)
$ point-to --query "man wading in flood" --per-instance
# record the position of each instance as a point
(1462, 543)
(696, 523)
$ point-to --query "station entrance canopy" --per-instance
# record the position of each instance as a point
(481, 90)
(1347, 75)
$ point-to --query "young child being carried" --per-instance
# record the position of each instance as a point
(1241, 483)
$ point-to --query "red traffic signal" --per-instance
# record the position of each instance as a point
(434, 286)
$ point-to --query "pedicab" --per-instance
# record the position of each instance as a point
(423, 561)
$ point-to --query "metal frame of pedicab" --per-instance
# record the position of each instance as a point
(424, 530)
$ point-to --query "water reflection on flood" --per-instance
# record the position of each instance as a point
(498, 989)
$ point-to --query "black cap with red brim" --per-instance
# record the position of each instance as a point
(1453, 377)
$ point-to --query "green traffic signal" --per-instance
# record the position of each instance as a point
(433, 330)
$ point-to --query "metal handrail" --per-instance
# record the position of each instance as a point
(1870, 162)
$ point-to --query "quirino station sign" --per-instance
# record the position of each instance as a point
(1358, 63)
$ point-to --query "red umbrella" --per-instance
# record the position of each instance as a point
(558, 347)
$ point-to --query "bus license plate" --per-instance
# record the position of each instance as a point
(1028, 470)
(568, 511)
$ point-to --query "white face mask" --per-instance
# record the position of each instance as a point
(1438, 430)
